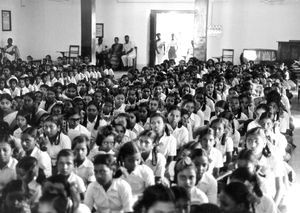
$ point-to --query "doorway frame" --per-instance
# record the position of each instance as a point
(153, 19)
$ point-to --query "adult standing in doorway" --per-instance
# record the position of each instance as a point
(172, 48)
(10, 51)
(100, 52)
(128, 53)
(116, 53)
(160, 49)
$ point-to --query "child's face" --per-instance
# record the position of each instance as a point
(174, 116)
(121, 120)
(210, 88)
(50, 129)
(5, 152)
(170, 101)
(5, 105)
(186, 178)
(157, 124)
(119, 100)
(103, 174)
(131, 95)
(22, 83)
(71, 92)
(219, 86)
(25, 175)
(146, 93)
(256, 143)
(246, 164)
(132, 161)
(13, 84)
(158, 90)
(201, 164)
(107, 108)
(80, 151)
(2, 84)
(219, 129)
(153, 105)
(57, 110)
(145, 144)
(219, 110)
(190, 107)
(132, 119)
(108, 143)
(207, 142)
(266, 124)
(87, 99)
(74, 121)
(65, 165)
(92, 111)
(120, 133)
(234, 104)
(28, 142)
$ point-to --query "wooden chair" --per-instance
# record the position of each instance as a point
(134, 60)
(228, 55)
(73, 52)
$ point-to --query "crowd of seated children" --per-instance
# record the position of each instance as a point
(193, 137)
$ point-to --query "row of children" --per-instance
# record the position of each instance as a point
(186, 125)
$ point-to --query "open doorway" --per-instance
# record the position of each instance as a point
(175, 29)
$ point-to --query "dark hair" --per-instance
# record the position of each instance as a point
(24, 114)
(156, 114)
(199, 152)
(222, 104)
(181, 164)
(205, 208)
(6, 96)
(79, 140)
(244, 174)
(65, 153)
(239, 193)
(105, 159)
(98, 117)
(128, 149)
(28, 164)
(180, 193)
(151, 134)
(103, 133)
(225, 123)
(153, 194)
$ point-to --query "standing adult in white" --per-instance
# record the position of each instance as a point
(129, 53)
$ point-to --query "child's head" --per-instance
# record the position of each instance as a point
(234, 103)
(154, 104)
(119, 99)
(104, 168)
(57, 109)
(182, 199)
(129, 156)
(207, 139)
(174, 115)
(52, 126)
(22, 119)
(157, 89)
(6, 102)
(27, 169)
(134, 117)
(247, 159)
(235, 198)
(157, 198)
(266, 121)
(256, 141)
(73, 118)
(189, 105)
(80, 147)
(6, 148)
(147, 140)
(29, 139)
(92, 110)
(201, 161)
(143, 111)
(260, 109)
(122, 119)
(219, 126)
(65, 162)
(157, 123)
(106, 138)
(185, 173)
(221, 106)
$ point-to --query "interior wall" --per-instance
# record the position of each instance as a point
(41, 27)
(253, 24)
(133, 19)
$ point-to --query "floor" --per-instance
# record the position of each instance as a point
(294, 193)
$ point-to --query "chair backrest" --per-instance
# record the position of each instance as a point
(228, 55)
(73, 50)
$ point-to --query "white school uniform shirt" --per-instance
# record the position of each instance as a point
(78, 130)
(109, 72)
(266, 205)
(5, 90)
(53, 150)
(277, 143)
(77, 181)
(17, 133)
(201, 116)
(119, 110)
(130, 135)
(215, 159)
(197, 196)
(53, 81)
(8, 173)
(167, 145)
(86, 171)
(270, 168)
(15, 93)
(160, 167)
(210, 103)
(227, 147)
(182, 136)
(139, 179)
(209, 185)
(118, 197)
(206, 113)
(44, 160)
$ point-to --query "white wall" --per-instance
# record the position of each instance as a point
(133, 19)
(246, 23)
(253, 24)
(41, 27)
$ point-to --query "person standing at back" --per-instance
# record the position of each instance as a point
(129, 53)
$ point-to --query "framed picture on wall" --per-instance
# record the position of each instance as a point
(99, 30)
(6, 20)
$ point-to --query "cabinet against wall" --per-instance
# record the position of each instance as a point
(288, 51)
